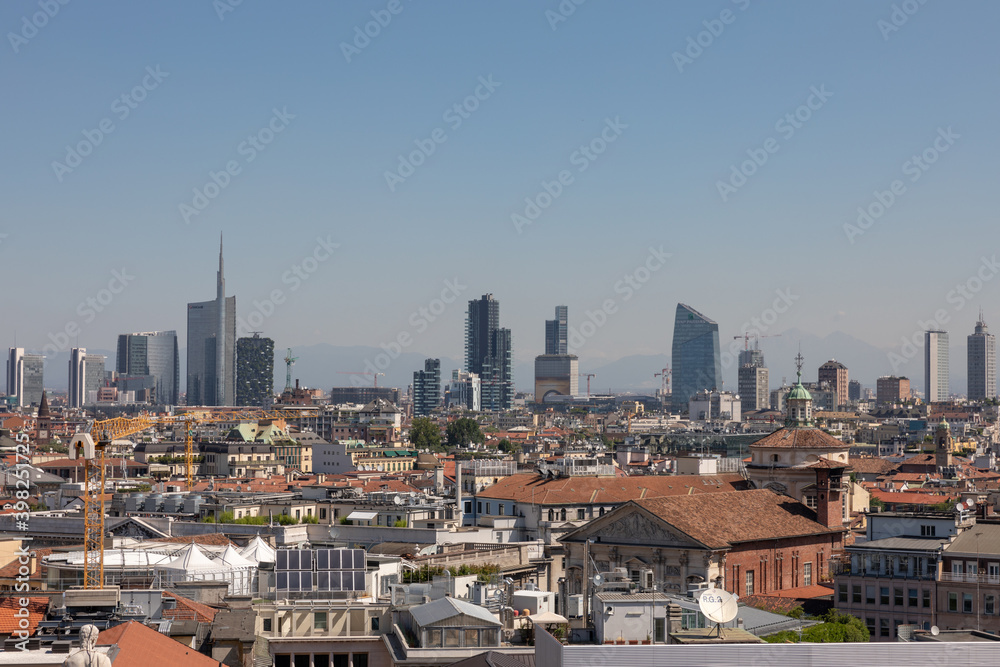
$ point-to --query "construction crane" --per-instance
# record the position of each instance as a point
(588, 376)
(756, 338)
(363, 373)
(666, 380)
(289, 362)
(92, 451)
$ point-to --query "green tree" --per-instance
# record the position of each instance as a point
(425, 434)
(464, 431)
(836, 628)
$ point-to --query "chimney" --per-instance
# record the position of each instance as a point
(673, 621)
(829, 508)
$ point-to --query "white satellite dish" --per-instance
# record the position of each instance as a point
(935, 630)
(598, 580)
(718, 606)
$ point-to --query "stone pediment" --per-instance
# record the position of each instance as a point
(636, 528)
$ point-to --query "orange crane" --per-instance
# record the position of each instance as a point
(83, 445)
(756, 337)
(666, 380)
(588, 376)
(363, 373)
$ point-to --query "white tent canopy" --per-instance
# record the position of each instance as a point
(232, 558)
(192, 559)
(258, 551)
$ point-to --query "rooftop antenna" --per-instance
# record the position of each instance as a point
(718, 606)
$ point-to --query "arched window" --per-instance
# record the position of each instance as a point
(562, 514)
(552, 515)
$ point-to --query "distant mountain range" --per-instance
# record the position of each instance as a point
(325, 366)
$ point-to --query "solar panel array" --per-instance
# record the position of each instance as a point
(320, 570)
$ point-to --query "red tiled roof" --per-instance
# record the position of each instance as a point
(909, 497)
(871, 464)
(719, 520)
(802, 592)
(140, 646)
(10, 623)
(533, 488)
(208, 539)
(800, 438)
(187, 609)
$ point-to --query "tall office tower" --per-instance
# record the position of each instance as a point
(556, 332)
(93, 376)
(488, 353)
(890, 390)
(77, 394)
(427, 388)
(211, 347)
(753, 388)
(150, 359)
(982, 352)
(853, 391)
(695, 360)
(834, 374)
(936, 366)
(255, 371)
(25, 377)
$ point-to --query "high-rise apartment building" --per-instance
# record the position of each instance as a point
(982, 359)
(255, 371)
(936, 366)
(853, 391)
(25, 377)
(753, 388)
(557, 333)
(152, 354)
(891, 390)
(695, 359)
(427, 388)
(488, 353)
(464, 390)
(211, 347)
(835, 375)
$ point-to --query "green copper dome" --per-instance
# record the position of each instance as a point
(799, 392)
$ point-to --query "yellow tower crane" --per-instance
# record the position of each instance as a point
(91, 450)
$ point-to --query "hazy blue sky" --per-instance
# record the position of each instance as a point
(348, 107)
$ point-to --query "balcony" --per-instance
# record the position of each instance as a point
(966, 577)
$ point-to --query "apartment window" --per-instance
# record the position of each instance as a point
(927, 599)
(927, 531)
(913, 597)
(883, 595)
(904, 564)
(897, 597)
(479, 507)
(499, 509)
(375, 622)
(856, 594)
(322, 513)
(581, 514)
(883, 630)
(298, 513)
(952, 601)
(552, 515)
(749, 582)
(562, 514)
(870, 594)
(807, 574)
(967, 603)
(876, 564)
(319, 620)
(487, 508)
(842, 593)
(267, 625)
(990, 605)
(870, 624)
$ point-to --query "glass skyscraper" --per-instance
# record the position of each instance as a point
(211, 347)
(25, 376)
(936, 366)
(488, 352)
(695, 360)
(982, 353)
(556, 333)
(153, 354)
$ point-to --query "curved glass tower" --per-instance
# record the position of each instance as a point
(695, 359)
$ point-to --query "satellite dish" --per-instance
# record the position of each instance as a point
(718, 606)
(397, 500)
(935, 630)
(598, 580)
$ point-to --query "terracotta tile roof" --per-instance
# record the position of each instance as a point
(871, 464)
(140, 646)
(189, 609)
(800, 438)
(10, 570)
(775, 605)
(719, 520)
(802, 592)
(912, 497)
(533, 488)
(208, 539)
(36, 612)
